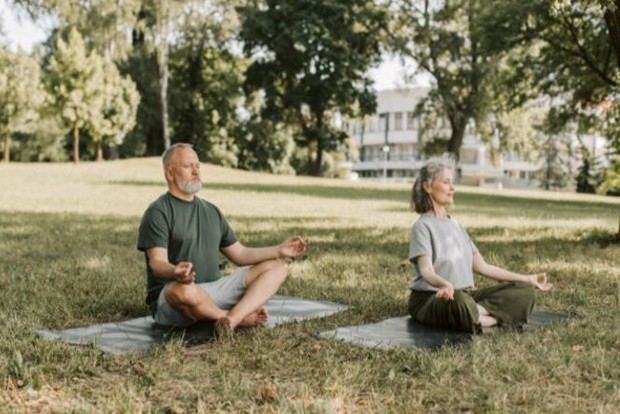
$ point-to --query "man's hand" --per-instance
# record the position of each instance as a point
(293, 247)
(183, 273)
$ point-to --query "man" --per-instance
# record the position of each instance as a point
(182, 237)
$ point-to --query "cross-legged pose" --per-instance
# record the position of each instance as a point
(182, 237)
(444, 261)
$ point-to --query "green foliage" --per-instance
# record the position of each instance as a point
(445, 41)
(264, 145)
(610, 184)
(146, 137)
(74, 80)
(104, 23)
(46, 143)
(206, 90)
(585, 180)
(21, 95)
(567, 49)
(309, 59)
(118, 103)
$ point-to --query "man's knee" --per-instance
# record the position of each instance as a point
(179, 294)
(274, 270)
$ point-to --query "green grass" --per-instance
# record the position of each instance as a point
(68, 258)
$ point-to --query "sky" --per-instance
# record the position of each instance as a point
(20, 31)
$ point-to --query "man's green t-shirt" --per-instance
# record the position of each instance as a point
(192, 231)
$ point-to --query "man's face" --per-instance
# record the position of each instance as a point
(184, 170)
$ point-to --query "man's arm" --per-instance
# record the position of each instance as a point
(163, 269)
(244, 256)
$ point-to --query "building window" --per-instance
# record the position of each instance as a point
(383, 122)
(372, 124)
(398, 121)
(410, 121)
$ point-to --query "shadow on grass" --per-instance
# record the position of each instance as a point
(63, 270)
(482, 204)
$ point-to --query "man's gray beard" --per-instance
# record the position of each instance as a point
(189, 187)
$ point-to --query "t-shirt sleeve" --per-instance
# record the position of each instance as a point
(228, 235)
(472, 245)
(154, 230)
(420, 243)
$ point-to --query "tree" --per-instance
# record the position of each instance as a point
(445, 41)
(21, 95)
(116, 115)
(567, 49)
(309, 60)
(206, 82)
(74, 84)
(263, 144)
(585, 178)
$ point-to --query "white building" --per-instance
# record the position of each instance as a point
(389, 147)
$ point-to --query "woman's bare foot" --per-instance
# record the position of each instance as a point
(485, 318)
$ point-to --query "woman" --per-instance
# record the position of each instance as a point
(444, 261)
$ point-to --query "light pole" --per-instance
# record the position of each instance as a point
(386, 150)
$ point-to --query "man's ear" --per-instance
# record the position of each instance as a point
(168, 173)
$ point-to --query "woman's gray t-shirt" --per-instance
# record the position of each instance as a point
(448, 245)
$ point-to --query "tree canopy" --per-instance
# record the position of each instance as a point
(310, 60)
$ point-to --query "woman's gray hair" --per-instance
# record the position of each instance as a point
(420, 199)
(167, 155)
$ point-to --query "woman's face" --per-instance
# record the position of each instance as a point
(441, 189)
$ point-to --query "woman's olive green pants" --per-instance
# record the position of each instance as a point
(509, 303)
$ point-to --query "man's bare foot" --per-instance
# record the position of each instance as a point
(256, 318)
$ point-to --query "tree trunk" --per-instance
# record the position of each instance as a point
(99, 156)
(7, 146)
(612, 20)
(163, 29)
(456, 137)
(318, 165)
(320, 145)
(164, 103)
(76, 144)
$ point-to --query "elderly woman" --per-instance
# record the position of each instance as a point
(444, 261)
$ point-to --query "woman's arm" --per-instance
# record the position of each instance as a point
(480, 266)
(445, 290)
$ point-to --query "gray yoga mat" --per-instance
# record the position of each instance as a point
(141, 334)
(406, 333)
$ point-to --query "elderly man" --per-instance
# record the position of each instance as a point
(182, 237)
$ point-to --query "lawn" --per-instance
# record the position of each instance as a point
(68, 259)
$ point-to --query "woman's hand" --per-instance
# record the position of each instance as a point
(539, 280)
(445, 292)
